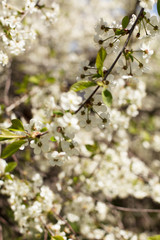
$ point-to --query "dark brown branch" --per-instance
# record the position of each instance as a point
(37, 3)
(115, 61)
(125, 44)
(87, 100)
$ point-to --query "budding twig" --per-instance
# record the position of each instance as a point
(115, 61)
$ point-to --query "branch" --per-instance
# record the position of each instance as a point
(115, 61)
(26, 13)
(6, 90)
(1, 235)
(126, 209)
(87, 100)
(66, 222)
(125, 44)
(16, 104)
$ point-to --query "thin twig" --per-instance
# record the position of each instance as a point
(9, 6)
(115, 61)
(66, 222)
(6, 90)
(125, 44)
(3, 221)
(45, 235)
(16, 104)
(37, 3)
(26, 13)
(46, 227)
(1, 236)
(83, 104)
(126, 209)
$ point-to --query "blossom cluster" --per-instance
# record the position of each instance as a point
(78, 149)
(15, 34)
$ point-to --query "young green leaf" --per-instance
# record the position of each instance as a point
(118, 31)
(96, 76)
(107, 97)
(34, 79)
(78, 86)
(101, 55)
(131, 57)
(158, 7)
(58, 113)
(53, 139)
(7, 135)
(91, 148)
(10, 166)
(12, 148)
(51, 79)
(156, 237)
(16, 125)
(57, 238)
(125, 22)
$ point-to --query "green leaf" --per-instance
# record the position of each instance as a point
(75, 179)
(158, 7)
(7, 135)
(11, 166)
(51, 79)
(12, 148)
(34, 79)
(156, 237)
(118, 32)
(91, 148)
(8, 176)
(125, 22)
(96, 76)
(101, 55)
(107, 97)
(58, 113)
(43, 130)
(82, 85)
(57, 238)
(53, 139)
(131, 57)
(16, 125)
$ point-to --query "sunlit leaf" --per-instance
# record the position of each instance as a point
(11, 166)
(12, 148)
(7, 135)
(101, 55)
(78, 86)
(57, 238)
(156, 237)
(53, 139)
(58, 113)
(16, 125)
(107, 97)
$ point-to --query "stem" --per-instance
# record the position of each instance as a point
(115, 61)
(126, 209)
(83, 104)
(66, 222)
(108, 38)
(27, 12)
(125, 45)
